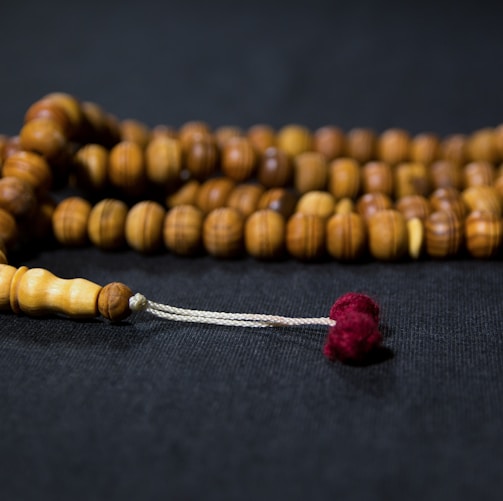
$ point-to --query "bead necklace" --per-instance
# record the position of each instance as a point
(308, 195)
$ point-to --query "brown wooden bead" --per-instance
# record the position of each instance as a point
(13, 145)
(310, 172)
(163, 161)
(411, 179)
(106, 224)
(113, 301)
(294, 139)
(415, 234)
(127, 168)
(414, 206)
(245, 198)
(444, 234)
(238, 159)
(346, 236)
(8, 229)
(482, 198)
(305, 236)
(223, 232)
(144, 226)
(261, 137)
(3, 146)
(134, 131)
(17, 197)
(377, 177)
(446, 174)
(214, 193)
(191, 131)
(483, 234)
(479, 173)
(279, 200)
(361, 144)
(186, 195)
(97, 127)
(481, 146)
(344, 206)
(162, 130)
(344, 178)
(394, 146)
(275, 168)
(388, 238)
(425, 148)
(201, 157)
(43, 136)
(453, 148)
(70, 221)
(319, 203)
(182, 230)
(91, 167)
(370, 203)
(225, 133)
(265, 234)
(498, 185)
(330, 142)
(448, 199)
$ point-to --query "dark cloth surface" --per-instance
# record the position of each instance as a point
(155, 410)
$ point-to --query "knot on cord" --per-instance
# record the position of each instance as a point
(138, 302)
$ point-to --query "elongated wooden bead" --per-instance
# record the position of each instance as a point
(163, 158)
(394, 146)
(444, 234)
(346, 236)
(344, 178)
(388, 239)
(29, 167)
(91, 167)
(238, 159)
(265, 234)
(483, 234)
(144, 226)
(319, 203)
(294, 139)
(214, 193)
(127, 168)
(245, 198)
(106, 224)
(182, 230)
(329, 141)
(361, 144)
(201, 156)
(310, 172)
(305, 236)
(70, 220)
(223, 232)
(377, 177)
(275, 169)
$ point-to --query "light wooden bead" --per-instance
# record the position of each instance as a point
(127, 168)
(481, 146)
(310, 172)
(144, 226)
(107, 223)
(70, 221)
(446, 174)
(186, 195)
(261, 137)
(182, 231)
(43, 136)
(265, 234)
(91, 167)
(346, 236)
(394, 146)
(479, 173)
(29, 167)
(192, 130)
(8, 229)
(448, 199)
(377, 177)
(113, 301)
(361, 144)
(214, 193)
(425, 148)
(238, 159)
(223, 232)
(388, 239)
(201, 157)
(275, 168)
(344, 178)
(444, 234)
(225, 133)
(305, 236)
(414, 207)
(411, 179)
(330, 142)
(344, 206)
(163, 160)
(17, 197)
(279, 200)
(245, 198)
(294, 139)
(483, 234)
(482, 198)
(370, 203)
(453, 148)
(319, 203)
(415, 234)
(135, 131)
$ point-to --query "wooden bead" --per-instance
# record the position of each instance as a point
(275, 168)
(201, 157)
(182, 230)
(414, 207)
(479, 173)
(444, 234)
(8, 229)
(388, 239)
(294, 139)
(425, 148)
(448, 199)
(453, 149)
(483, 234)
(127, 168)
(344, 206)
(41, 224)
(238, 159)
(305, 236)
(225, 133)
(498, 185)
(394, 146)
(415, 234)
(482, 198)
(214, 193)
(106, 224)
(361, 144)
(98, 127)
(261, 137)
(17, 197)
(191, 131)
(91, 167)
(3, 146)
(43, 136)
(134, 131)
(70, 221)
(162, 130)
(29, 167)
(446, 174)
(6, 275)
(346, 236)
(377, 177)
(163, 161)
(481, 146)
(113, 301)
(144, 226)
(12, 145)
(330, 142)
(344, 178)
(310, 172)
(411, 179)
(223, 232)
(319, 203)
(245, 198)
(265, 234)
(186, 195)
(279, 200)
(370, 203)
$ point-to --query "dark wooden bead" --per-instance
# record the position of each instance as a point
(329, 141)
(411, 179)
(214, 193)
(17, 197)
(279, 200)
(8, 229)
(444, 234)
(201, 157)
(90, 164)
(238, 159)
(113, 301)
(275, 168)
(361, 145)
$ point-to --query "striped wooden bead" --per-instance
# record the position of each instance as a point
(444, 234)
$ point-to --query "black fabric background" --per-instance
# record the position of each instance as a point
(154, 410)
